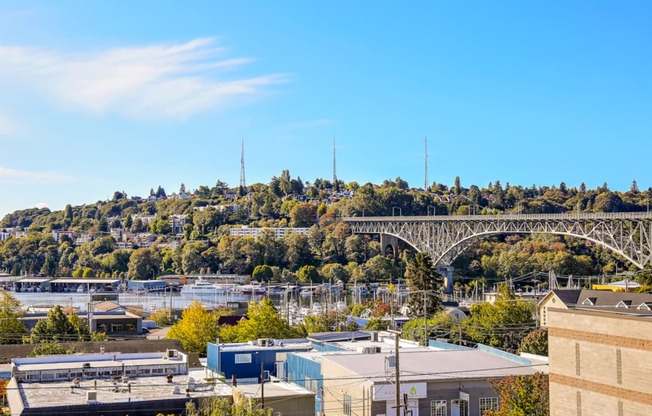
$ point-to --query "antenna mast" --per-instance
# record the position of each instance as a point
(242, 168)
(425, 183)
(335, 185)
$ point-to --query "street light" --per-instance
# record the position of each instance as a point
(400, 211)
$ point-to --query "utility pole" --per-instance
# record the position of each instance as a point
(425, 321)
(262, 383)
(397, 335)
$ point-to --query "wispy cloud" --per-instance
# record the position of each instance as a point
(10, 175)
(168, 80)
(7, 126)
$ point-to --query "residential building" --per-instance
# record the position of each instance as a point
(255, 232)
(606, 300)
(177, 222)
(599, 362)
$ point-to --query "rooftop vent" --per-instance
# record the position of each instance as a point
(91, 396)
(369, 350)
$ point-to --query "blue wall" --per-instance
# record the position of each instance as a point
(223, 360)
(299, 369)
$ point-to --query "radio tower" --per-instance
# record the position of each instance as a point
(425, 183)
(243, 184)
(336, 186)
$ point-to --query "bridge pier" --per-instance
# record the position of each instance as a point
(391, 242)
(447, 272)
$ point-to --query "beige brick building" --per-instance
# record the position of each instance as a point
(600, 363)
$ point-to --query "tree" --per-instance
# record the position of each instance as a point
(143, 264)
(217, 406)
(502, 324)
(50, 348)
(423, 279)
(196, 328)
(11, 328)
(263, 322)
(303, 215)
(522, 396)
(309, 274)
(262, 273)
(57, 327)
(439, 326)
(536, 342)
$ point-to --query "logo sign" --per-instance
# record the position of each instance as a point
(464, 395)
(384, 392)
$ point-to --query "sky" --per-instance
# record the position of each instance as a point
(98, 97)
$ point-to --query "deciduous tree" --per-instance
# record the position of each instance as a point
(522, 396)
(196, 328)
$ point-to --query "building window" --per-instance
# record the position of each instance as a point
(460, 407)
(346, 404)
(116, 327)
(438, 408)
(488, 403)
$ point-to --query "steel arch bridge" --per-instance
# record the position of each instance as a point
(445, 237)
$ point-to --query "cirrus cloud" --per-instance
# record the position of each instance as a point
(11, 175)
(161, 80)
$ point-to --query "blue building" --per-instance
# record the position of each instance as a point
(244, 360)
(304, 369)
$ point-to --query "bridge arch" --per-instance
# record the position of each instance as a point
(445, 237)
(458, 248)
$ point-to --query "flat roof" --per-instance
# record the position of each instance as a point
(339, 336)
(434, 365)
(155, 388)
(278, 345)
(85, 280)
(105, 363)
(274, 389)
(35, 280)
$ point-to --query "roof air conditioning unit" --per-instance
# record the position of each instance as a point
(91, 396)
(262, 342)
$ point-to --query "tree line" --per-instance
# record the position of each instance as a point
(328, 251)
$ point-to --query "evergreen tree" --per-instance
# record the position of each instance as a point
(425, 282)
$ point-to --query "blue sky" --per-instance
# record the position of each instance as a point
(103, 96)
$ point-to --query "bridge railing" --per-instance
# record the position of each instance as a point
(523, 217)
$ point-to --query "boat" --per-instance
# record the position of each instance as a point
(204, 288)
(252, 289)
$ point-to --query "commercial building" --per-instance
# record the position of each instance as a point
(285, 399)
(599, 363)
(109, 384)
(244, 360)
(435, 383)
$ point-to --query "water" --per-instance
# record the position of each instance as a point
(147, 301)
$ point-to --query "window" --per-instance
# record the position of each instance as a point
(438, 408)
(346, 404)
(488, 403)
(116, 327)
(242, 358)
(460, 407)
